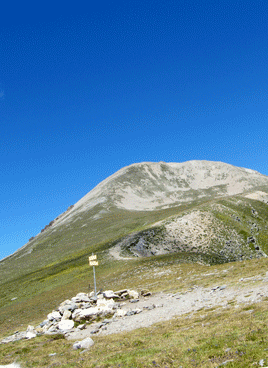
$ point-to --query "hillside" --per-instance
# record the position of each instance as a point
(139, 221)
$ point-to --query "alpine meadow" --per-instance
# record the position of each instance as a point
(191, 239)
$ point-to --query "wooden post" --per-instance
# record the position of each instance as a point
(93, 262)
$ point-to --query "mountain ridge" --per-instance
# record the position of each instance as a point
(165, 184)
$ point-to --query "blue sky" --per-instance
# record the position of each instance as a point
(88, 88)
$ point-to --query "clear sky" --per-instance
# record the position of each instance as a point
(89, 87)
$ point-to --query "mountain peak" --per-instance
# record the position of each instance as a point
(148, 186)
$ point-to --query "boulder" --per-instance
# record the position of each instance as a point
(76, 345)
(66, 315)
(17, 336)
(39, 330)
(137, 310)
(106, 303)
(70, 306)
(81, 314)
(109, 294)
(30, 332)
(76, 315)
(120, 313)
(45, 322)
(120, 292)
(85, 313)
(146, 293)
(133, 294)
(30, 335)
(52, 329)
(81, 327)
(66, 325)
(106, 306)
(83, 344)
(81, 297)
(54, 316)
(85, 305)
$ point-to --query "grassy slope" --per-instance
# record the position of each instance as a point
(197, 340)
(71, 239)
(42, 283)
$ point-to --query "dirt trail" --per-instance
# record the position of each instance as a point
(163, 307)
(115, 253)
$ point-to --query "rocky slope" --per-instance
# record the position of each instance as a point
(227, 230)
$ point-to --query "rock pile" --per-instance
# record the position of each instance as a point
(84, 308)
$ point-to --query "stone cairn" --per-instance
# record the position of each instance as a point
(84, 308)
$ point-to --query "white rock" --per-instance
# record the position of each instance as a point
(54, 315)
(70, 306)
(13, 365)
(84, 344)
(89, 312)
(30, 335)
(133, 294)
(137, 310)
(30, 332)
(66, 325)
(30, 328)
(76, 345)
(76, 313)
(52, 329)
(67, 301)
(76, 300)
(81, 327)
(105, 303)
(120, 313)
(66, 315)
(106, 310)
(105, 306)
(109, 294)
(81, 297)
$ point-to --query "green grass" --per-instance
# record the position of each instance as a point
(197, 340)
(58, 269)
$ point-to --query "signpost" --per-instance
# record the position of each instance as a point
(93, 262)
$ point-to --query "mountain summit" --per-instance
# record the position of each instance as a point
(149, 186)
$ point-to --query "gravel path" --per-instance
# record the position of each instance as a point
(162, 307)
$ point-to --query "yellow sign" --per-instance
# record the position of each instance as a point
(93, 263)
(91, 258)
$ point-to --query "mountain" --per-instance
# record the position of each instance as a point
(151, 186)
(143, 218)
(139, 195)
